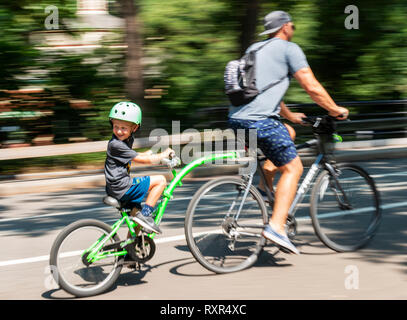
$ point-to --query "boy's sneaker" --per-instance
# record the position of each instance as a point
(281, 240)
(147, 223)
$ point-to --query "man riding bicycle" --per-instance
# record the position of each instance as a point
(280, 58)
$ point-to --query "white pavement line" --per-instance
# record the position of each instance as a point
(173, 200)
(35, 259)
(74, 253)
(166, 240)
(22, 261)
(345, 212)
(71, 212)
(55, 214)
(389, 175)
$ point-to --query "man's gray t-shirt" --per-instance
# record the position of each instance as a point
(119, 155)
(276, 60)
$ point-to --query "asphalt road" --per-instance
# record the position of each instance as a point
(29, 224)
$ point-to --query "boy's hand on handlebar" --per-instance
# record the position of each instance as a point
(168, 153)
(340, 113)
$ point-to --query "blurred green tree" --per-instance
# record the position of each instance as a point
(178, 50)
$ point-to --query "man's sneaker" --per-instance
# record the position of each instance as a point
(147, 223)
(279, 239)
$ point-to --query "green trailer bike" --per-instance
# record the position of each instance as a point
(225, 218)
(87, 256)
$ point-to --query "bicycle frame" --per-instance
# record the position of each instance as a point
(305, 185)
(311, 174)
(93, 252)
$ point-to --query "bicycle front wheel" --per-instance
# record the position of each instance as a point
(222, 229)
(69, 264)
(345, 210)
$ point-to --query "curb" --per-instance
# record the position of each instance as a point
(40, 183)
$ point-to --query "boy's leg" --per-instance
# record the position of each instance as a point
(133, 213)
(157, 186)
(155, 190)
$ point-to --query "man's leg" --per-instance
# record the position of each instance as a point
(270, 169)
(285, 193)
(286, 187)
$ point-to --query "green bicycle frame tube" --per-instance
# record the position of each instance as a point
(167, 194)
(94, 249)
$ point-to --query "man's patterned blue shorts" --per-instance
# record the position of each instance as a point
(272, 138)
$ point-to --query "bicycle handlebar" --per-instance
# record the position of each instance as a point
(325, 124)
(172, 161)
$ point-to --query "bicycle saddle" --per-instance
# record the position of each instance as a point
(110, 201)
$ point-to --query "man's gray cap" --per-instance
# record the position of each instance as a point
(274, 21)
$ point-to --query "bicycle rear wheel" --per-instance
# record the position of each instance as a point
(345, 211)
(220, 240)
(68, 258)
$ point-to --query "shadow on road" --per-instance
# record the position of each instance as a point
(187, 269)
(129, 277)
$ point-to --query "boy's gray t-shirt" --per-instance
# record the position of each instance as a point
(119, 155)
(276, 60)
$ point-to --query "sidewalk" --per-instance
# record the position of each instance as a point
(77, 179)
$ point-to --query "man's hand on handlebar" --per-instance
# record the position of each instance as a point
(340, 113)
(296, 117)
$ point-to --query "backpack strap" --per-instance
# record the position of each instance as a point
(273, 83)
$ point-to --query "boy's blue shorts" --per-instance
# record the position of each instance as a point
(272, 138)
(138, 190)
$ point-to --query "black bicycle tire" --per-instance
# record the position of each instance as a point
(54, 254)
(188, 226)
(313, 210)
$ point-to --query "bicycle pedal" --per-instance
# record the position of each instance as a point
(133, 265)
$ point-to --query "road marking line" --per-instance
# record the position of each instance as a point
(338, 213)
(66, 213)
(55, 214)
(173, 200)
(46, 258)
(22, 261)
(165, 240)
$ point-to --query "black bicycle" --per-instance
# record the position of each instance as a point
(226, 216)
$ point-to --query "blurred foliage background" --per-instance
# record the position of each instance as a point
(58, 85)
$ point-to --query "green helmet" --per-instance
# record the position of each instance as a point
(127, 111)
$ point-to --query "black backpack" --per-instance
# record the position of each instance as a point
(240, 79)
